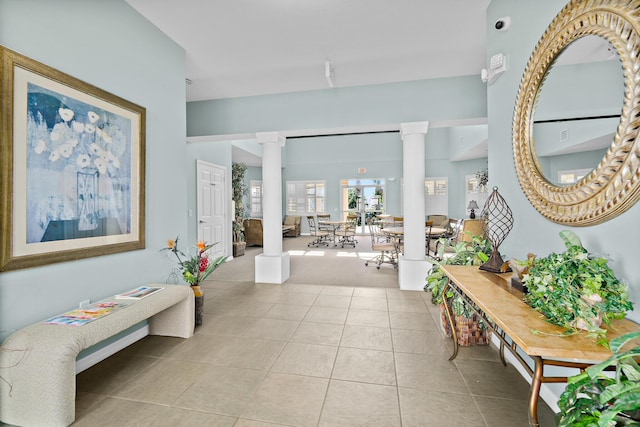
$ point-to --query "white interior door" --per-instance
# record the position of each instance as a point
(212, 196)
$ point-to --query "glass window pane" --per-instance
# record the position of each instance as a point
(429, 187)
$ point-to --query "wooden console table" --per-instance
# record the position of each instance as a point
(513, 323)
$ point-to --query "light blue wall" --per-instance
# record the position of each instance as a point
(107, 44)
(437, 99)
(531, 231)
(464, 138)
(582, 90)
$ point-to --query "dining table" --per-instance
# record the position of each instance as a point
(430, 233)
(333, 226)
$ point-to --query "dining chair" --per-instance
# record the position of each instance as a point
(324, 217)
(346, 233)
(427, 235)
(321, 236)
(438, 220)
(379, 243)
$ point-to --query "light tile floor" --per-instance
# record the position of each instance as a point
(305, 355)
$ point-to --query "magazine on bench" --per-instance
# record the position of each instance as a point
(82, 316)
(139, 293)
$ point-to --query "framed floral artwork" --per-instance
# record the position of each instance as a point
(72, 167)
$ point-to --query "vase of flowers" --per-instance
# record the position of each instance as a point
(195, 267)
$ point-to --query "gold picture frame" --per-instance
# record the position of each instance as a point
(72, 167)
(614, 185)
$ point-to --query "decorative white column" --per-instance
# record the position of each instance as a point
(272, 266)
(413, 265)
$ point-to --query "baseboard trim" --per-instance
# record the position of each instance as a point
(111, 349)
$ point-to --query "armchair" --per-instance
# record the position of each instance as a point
(295, 221)
(253, 231)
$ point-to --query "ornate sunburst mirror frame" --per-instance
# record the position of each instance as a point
(614, 185)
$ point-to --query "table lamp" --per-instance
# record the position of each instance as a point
(473, 205)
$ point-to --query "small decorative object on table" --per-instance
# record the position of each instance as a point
(519, 269)
(195, 268)
(498, 222)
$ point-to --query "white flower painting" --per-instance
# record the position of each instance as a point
(68, 141)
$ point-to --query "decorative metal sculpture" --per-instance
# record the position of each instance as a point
(498, 222)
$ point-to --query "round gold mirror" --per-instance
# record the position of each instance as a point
(613, 186)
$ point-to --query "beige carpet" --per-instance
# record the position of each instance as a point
(318, 266)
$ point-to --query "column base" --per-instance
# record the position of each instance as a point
(272, 269)
(412, 274)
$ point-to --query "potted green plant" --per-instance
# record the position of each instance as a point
(576, 290)
(472, 252)
(594, 398)
(239, 188)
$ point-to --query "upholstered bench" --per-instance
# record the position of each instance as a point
(38, 362)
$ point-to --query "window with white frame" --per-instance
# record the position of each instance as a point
(255, 198)
(436, 196)
(305, 197)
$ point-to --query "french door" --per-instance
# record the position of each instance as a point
(364, 198)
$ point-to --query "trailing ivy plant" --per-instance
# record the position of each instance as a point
(575, 290)
(239, 189)
(594, 398)
(465, 253)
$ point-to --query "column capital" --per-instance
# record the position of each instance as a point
(413, 128)
(265, 137)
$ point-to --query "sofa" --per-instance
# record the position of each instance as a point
(253, 231)
(295, 221)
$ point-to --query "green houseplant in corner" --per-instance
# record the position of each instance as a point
(239, 189)
(594, 398)
(472, 252)
(576, 290)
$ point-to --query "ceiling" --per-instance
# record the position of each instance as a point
(237, 48)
